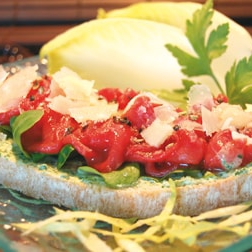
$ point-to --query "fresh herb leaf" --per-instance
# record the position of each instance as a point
(216, 42)
(125, 177)
(239, 82)
(191, 66)
(20, 197)
(206, 49)
(22, 123)
(84, 171)
(176, 97)
(6, 129)
(63, 155)
(197, 27)
(36, 157)
(188, 84)
(178, 174)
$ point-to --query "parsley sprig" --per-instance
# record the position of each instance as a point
(239, 82)
(207, 48)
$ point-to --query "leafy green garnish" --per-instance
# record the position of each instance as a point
(22, 198)
(178, 174)
(125, 177)
(207, 48)
(6, 129)
(36, 157)
(177, 97)
(64, 154)
(239, 82)
(22, 123)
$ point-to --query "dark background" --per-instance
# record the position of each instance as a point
(25, 25)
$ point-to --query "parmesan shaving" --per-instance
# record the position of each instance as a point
(237, 135)
(157, 132)
(200, 95)
(73, 85)
(209, 121)
(63, 105)
(14, 88)
(232, 115)
(166, 112)
(76, 97)
(95, 113)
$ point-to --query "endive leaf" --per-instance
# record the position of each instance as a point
(119, 52)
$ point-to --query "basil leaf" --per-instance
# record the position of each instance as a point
(22, 123)
(89, 174)
(87, 171)
(6, 129)
(64, 154)
(20, 197)
(36, 157)
(126, 176)
(178, 174)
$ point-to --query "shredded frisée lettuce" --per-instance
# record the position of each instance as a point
(131, 234)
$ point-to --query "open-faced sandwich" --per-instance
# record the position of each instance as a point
(113, 149)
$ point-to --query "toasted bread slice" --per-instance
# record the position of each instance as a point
(147, 198)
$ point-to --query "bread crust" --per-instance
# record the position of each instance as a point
(143, 200)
